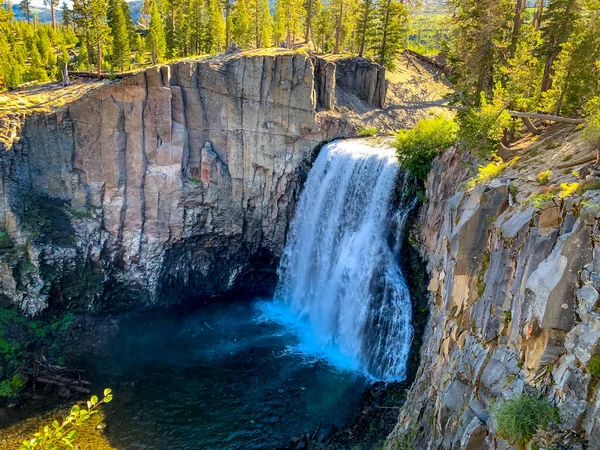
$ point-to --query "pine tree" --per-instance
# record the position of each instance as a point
(66, 15)
(6, 12)
(561, 16)
(311, 10)
(260, 18)
(241, 33)
(481, 36)
(339, 9)
(523, 73)
(228, 22)
(286, 22)
(196, 15)
(365, 27)
(521, 6)
(155, 39)
(576, 70)
(11, 69)
(323, 30)
(36, 70)
(25, 7)
(99, 31)
(119, 34)
(53, 4)
(214, 27)
(279, 23)
(392, 19)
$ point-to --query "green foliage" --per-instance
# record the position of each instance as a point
(591, 132)
(417, 147)
(481, 33)
(486, 173)
(155, 40)
(593, 365)
(121, 52)
(64, 435)
(18, 333)
(367, 131)
(481, 129)
(540, 198)
(520, 418)
(544, 177)
(241, 32)
(391, 29)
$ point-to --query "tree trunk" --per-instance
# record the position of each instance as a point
(385, 30)
(364, 28)
(548, 70)
(172, 29)
(53, 15)
(338, 29)
(256, 32)
(89, 55)
(227, 25)
(99, 61)
(308, 19)
(537, 18)
(65, 74)
(521, 5)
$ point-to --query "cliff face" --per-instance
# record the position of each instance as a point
(514, 301)
(179, 179)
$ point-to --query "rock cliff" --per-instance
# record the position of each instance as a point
(178, 179)
(515, 276)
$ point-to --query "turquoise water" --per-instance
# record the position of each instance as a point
(242, 374)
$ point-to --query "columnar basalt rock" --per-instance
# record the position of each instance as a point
(514, 308)
(179, 179)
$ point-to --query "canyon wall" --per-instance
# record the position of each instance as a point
(180, 179)
(514, 305)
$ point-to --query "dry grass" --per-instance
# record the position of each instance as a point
(43, 97)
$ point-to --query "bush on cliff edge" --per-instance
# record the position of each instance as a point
(520, 418)
(417, 147)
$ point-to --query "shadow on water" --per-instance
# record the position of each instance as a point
(217, 377)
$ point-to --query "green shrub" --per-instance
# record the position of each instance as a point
(64, 435)
(482, 129)
(594, 365)
(544, 177)
(417, 147)
(486, 173)
(540, 198)
(591, 132)
(519, 419)
(367, 131)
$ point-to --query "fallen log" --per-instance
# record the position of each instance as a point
(526, 115)
(428, 60)
(58, 383)
(578, 162)
(95, 75)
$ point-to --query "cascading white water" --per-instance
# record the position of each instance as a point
(339, 271)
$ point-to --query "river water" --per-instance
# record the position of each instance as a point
(238, 374)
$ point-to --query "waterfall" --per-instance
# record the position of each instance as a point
(339, 271)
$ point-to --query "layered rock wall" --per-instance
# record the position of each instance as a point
(181, 178)
(514, 309)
